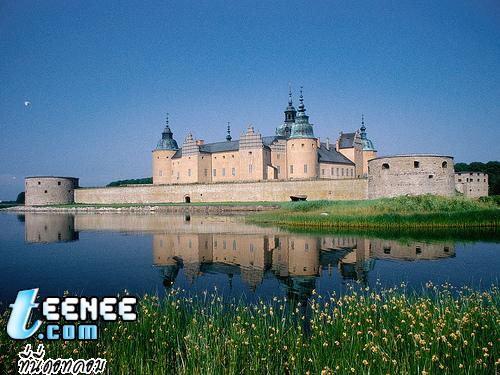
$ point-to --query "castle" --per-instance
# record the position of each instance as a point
(293, 153)
(292, 164)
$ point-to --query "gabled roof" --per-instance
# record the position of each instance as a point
(220, 146)
(332, 156)
(346, 140)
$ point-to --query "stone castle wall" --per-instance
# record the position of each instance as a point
(45, 190)
(270, 191)
(411, 175)
(472, 184)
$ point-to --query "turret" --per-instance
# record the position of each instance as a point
(162, 156)
(290, 113)
(302, 147)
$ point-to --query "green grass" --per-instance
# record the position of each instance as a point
(441, 330)
(425, 211)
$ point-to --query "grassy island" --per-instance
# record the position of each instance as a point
(405, 212)
(441, 330)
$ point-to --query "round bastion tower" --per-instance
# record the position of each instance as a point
(302, 147)
(162, 157)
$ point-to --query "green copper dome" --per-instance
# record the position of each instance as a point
(302, 128)
(367, 144)
(167, 142)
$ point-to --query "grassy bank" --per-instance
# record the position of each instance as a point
(402, 212)
(441, 331)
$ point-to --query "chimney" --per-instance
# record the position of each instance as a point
(328, 143)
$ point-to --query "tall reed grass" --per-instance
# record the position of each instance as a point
(442, 330)
(425, 211)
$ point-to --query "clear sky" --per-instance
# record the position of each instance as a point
(101, 75)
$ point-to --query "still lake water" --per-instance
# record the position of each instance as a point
(103, 254)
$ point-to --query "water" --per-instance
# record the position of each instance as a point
(103, 254)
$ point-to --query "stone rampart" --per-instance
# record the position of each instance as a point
(269, 191)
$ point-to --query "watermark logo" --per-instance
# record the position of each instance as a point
(75, 312)
(34, 362)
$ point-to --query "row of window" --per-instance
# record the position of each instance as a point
(471, 180)
(339, 172)
(416, 164)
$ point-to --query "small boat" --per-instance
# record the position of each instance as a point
(296, 198)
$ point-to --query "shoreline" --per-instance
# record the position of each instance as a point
(150, 208)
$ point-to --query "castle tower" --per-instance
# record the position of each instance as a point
(290, 113)
(302, 147)
(162, 156)
(369, 151)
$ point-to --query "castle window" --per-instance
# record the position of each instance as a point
(278, 156)
(418, 250)
(223, 156)
(416, 164)
(305, 168)
(250, 168)
(444, 164)
(302, 145)
(459, 180)
(385, 166)
(232, 156)
(431, 176)
(234, 244)
(291, 169)
(233, 171)
(249, 152)
(39, 182)
(215, 172)
(59, 183)
(224, 244)
(205, 172)
(331, 171)
(160, 173)
(387, 249)
(278, 169)
(323, 172)
(223, 171)
(342, 172)
(189, 172)
(337, 172)
(46, 192)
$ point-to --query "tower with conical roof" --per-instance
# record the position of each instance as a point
(162, 156)
(301, 127)
(369, 151)
(285, 129)
(302, 147)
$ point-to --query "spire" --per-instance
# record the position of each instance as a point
(167, 128)
(167, 142)
(363, 127)
(290, 113)
(228, 136)
(302, 108)
(301, 128)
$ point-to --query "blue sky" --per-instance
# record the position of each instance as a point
(101, 76)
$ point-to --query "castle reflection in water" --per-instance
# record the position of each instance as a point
(218, 244)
